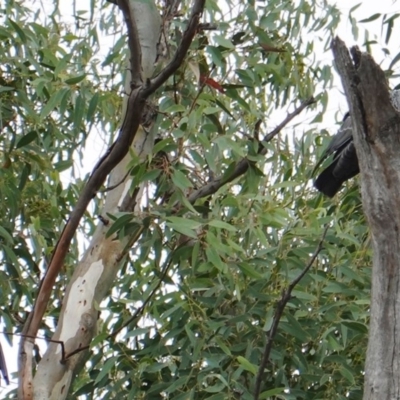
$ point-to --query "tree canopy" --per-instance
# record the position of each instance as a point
(206, 300)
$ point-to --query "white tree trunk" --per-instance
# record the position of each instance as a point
(94, 274)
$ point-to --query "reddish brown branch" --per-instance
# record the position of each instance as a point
(106, 164)
(286, 296)
(133, 42)
(181, 51)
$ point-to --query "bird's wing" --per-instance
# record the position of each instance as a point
(343, 136)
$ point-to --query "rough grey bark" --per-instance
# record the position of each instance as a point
(376, 129)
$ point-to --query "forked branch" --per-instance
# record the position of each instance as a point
(243, 165)
(113, 156)
(286, 296)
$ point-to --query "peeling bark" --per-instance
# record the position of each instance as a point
(376, 130)
(94, 274)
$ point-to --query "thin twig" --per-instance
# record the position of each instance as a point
(112, 187)
(288, 118)
(243, 165)
(181, 51)
(60, 342)
(286, 296)
(106, 164)
(139, 311)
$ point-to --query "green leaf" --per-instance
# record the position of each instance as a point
(26, 139)
(119, 223)
(371, 18)
(75, 79)
(19, 31)
(105, 369)
(223, 346)
(249, 271)
(63, 165)
(185, 226)
(223, 41)
(177, 384)
(53, 102)
(356, 326)
(6, 89)
(247, 365)
(94, 101)
(180, 180)
(272, 392)
(395, 60)
(79, 110)
(222, 225)
(10, 253)
(347, 374)
(5, 235)
(215, 259)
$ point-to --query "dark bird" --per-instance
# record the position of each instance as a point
(345, 162)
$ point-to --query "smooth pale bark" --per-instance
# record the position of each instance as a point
(94, 274)
(376, 127)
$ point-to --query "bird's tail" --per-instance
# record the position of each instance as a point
(327, 183)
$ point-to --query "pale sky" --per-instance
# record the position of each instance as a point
(367, 9)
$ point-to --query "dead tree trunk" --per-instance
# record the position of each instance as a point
(376, 130)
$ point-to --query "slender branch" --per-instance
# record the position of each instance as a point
(99, 174)
(112, 187)
(139, 311)
(133, 42)
(60, 342)
(3, 366)
(181, 51)
(288, 118)
(243, 165)
(286, 296)
(106, 164)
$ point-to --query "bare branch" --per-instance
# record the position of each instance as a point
(243, 165)
(139, 311)
(288, 118)
(112, 187)
(114, 155)
(3, 366)
(99, 174)
(181, 51)
(286, 296)
(61, 343)
(133, 43)
(208, 27)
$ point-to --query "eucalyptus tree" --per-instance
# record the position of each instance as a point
(195, 260)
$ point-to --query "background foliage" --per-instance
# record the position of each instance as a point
(202, 282)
